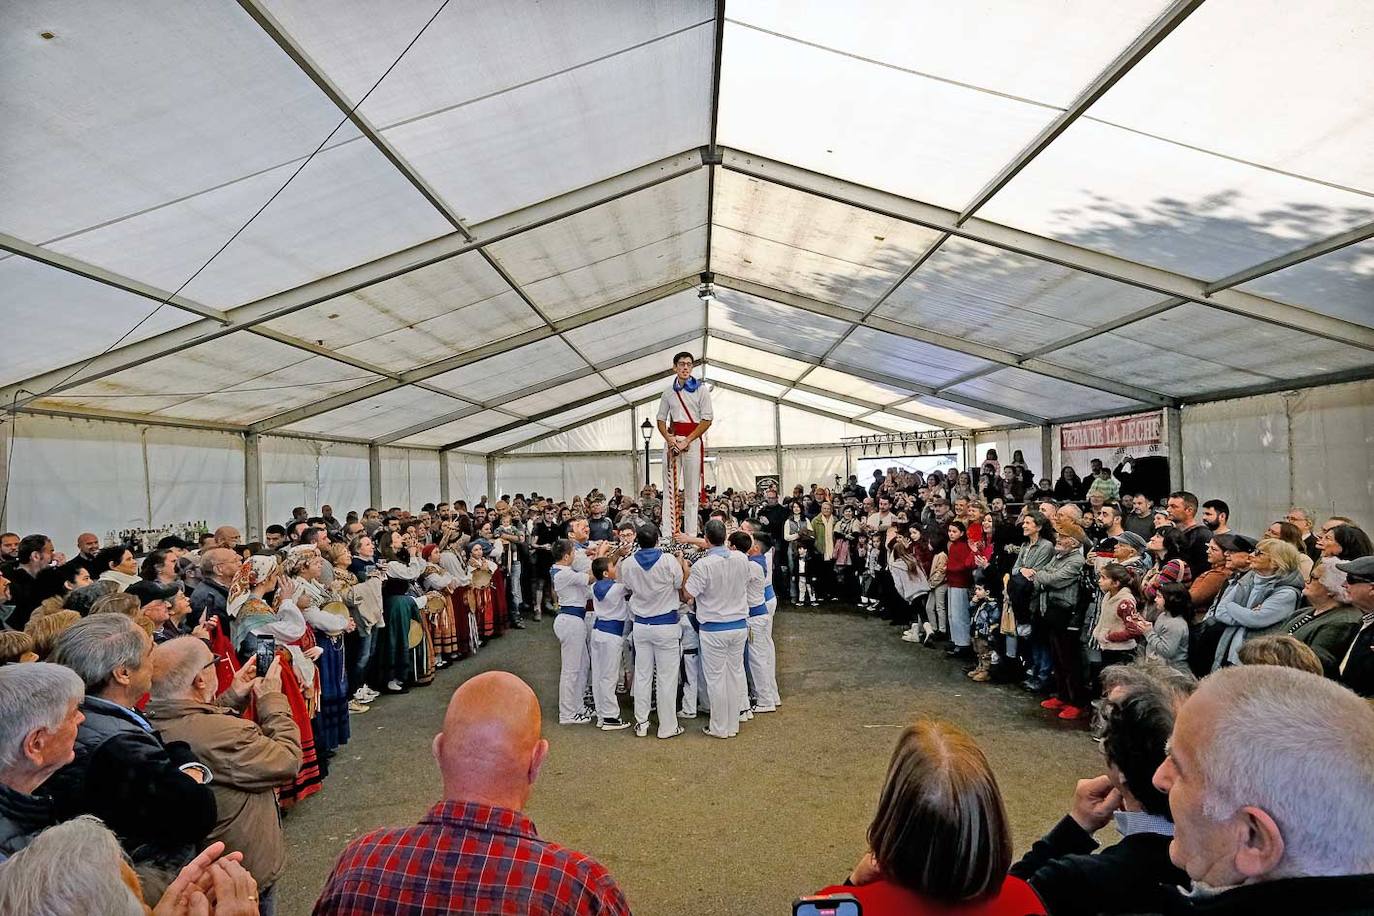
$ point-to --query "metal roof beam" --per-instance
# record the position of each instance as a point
(476, 355)
(1053, 251)
(345, 282)
(870, 406)
(880, 378)
(945, 341)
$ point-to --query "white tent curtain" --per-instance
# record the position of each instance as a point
(343, 476)
(467, 477)
(808, 466)
(737, 470)
(195, 474)
(410, 477)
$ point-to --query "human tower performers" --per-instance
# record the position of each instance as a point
(718, 582)
(684, 415)
(654, 581)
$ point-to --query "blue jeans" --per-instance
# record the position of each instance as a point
(959, 625)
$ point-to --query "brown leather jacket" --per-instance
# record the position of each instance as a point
(249, 760)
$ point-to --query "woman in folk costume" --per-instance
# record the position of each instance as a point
(443, 628)
(452, 559)
(355, 567)
(392, 658)
(484, 597)
(254, 616)
(329, 619)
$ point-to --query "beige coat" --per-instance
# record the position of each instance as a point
(249, 761)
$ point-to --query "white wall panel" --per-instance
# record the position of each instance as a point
(807, 466)
(1332, 444)
(737, 470)
(529, 475)
(343, 477)
(195, 474)
(1238, 451)
(467, 477)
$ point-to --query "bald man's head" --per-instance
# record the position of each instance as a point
(183, 670)
(490, 750)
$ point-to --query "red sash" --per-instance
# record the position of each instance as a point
(686, 429)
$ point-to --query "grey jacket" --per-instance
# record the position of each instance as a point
(1252, 607)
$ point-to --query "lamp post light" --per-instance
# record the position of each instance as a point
(646, 429)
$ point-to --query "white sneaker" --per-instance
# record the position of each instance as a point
(642, 730)
(763, 709)
(684, 714)
(368, 693)
(612, 725)
(362, 696)
(679, 731)
(395, 686)
(746, 715)
(580, 719)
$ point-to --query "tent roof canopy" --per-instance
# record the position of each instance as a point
(472, 225)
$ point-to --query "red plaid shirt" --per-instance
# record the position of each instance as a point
(467, 858)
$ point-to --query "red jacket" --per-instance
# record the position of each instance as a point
(959, 570)
(882, 898)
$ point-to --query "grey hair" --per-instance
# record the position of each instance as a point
(69, 870)
(33, 696)
(1333, 580)
(96, 646)
(174, 680)
(1150, 674)
(1300, 748)
(82, 599)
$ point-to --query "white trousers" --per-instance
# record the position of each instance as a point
(722, 667)
(657, 651)
(688, 481)
(763, 660)
(693, 686)
(605, 650)
(572, 679)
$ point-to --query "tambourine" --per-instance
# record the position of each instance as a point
(416, 636)
(435, 603)
(481, 577)
(335, 607)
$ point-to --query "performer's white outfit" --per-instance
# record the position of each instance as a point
(761, 655)
(653, 578)
(573, 590)
(719, 583)
(610, 602)
(681, 409)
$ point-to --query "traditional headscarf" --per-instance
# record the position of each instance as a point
(298, 558)
(254, 571)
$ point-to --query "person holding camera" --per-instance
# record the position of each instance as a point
(250, 759)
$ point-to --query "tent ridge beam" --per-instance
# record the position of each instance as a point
(958, 345)
(1053, 251)
(1144, 43)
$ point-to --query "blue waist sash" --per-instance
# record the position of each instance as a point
(657, 620)
(758, 610)
(614, 627)
(768, 593)
(573, 609)
(719, 626)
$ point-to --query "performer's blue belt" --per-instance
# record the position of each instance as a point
(614, 627)
(718, 626)
(758, 610)
(657, 620)
(573, 609)
(768, 593)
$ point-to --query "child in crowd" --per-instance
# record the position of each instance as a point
(1166, 638)
(937, 606)
(1119, 622)
(986, 618)
(610, 602)
(804, 570)
(868, 578)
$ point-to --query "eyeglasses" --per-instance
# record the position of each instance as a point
(214, 660)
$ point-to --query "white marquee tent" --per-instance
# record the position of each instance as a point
(366, 252)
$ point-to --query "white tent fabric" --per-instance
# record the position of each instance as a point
(471, 227)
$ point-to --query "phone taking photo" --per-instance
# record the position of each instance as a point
(266, 652)
(836, 905)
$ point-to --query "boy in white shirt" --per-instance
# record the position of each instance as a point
(611, 604)
(573, 588)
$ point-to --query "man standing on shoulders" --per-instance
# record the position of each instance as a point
(250, 759)
(684, 415)
(719, 583)
(475, 851)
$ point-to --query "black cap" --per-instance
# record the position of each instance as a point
(1230, 542)
(172, 540)
(147, 591)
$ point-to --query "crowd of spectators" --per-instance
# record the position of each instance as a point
(158, 714)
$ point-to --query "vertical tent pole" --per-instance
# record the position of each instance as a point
(252, 486)
(1173, 422)
(374, 476)
(443, 478)
(491, 479)
(1047, 451)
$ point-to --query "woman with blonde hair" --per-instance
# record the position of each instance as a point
(1289, 534)
(1260, 601)
(940, 840)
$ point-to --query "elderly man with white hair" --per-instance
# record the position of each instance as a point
(1270, 777)
(39, 715)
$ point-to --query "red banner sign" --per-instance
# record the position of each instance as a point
(1117, 432)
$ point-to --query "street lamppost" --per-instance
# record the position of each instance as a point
(646, 429)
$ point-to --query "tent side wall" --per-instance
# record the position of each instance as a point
(61, 476)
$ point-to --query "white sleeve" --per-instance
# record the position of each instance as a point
(704, 411)
(664, 407)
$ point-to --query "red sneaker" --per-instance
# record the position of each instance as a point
(1070, 712)
(1052, 703)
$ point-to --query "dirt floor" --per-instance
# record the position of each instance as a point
(694, 825)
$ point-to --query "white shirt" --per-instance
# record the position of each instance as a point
(719, 583)
(653, 591)
(753, 590)
(615, 606)
(698, 402)
(571, 586)
(581, 562)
